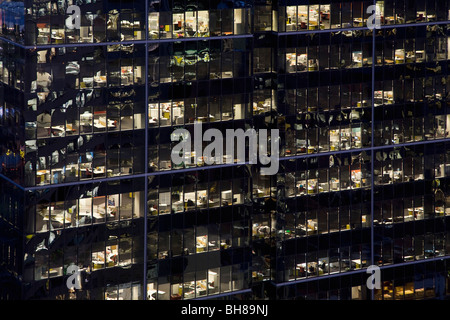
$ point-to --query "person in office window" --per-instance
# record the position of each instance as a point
(302, 272)
(311, 269)
(48, 56)
(189, 30)
(323, 266)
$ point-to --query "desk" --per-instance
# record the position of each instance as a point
(258, 110)
(202, 34)
(100, 79)
(42, 39)
(42, 172)
(291, 27)
(101, 170)
(308, 230)
(56, 130)
(102, 125)
(200, 248)
(154, 34)
(359, 263)
(191, 290)
(204, 119)
(399, 19)
(152, 294)
(97, 264)
(100, 215)
(334, 185)
(224, 245)
(259, 193)
(57, 39)
(361, 104)
(61, 217)
(409, 293)
(312, 269)
(358, 22)
(389, 20)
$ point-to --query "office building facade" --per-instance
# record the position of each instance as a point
(87, 115)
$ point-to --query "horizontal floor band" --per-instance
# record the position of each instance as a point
(218, 166)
